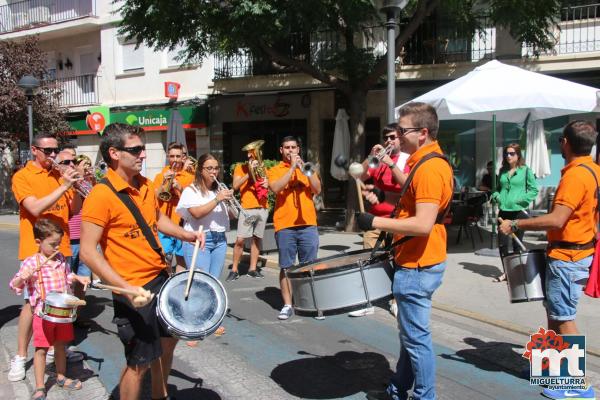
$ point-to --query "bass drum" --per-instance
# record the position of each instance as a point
(198, 316)
(341, 283)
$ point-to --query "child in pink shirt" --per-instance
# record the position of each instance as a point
(42, 274)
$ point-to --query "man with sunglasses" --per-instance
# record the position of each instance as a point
(42, 192)
(384, 183)
(420, 257)
(131, 257)
(571, 228)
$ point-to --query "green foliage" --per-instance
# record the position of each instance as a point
(268, 164)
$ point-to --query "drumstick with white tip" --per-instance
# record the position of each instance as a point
(116, 289)
(515, 238)
(191, 273)
(356, 170)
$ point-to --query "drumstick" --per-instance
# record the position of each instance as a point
(361, 204)
(515, 238)
(38, 265)
(117, 289)
(191, 273)
(78, 302)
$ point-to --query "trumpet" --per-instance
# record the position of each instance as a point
(100, 169)
(234, 205)
(164, 194)
(375, 160)
(307, 168)
(82, 187)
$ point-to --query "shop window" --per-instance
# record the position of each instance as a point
(457, 139)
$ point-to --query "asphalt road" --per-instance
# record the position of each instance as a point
(262, 357)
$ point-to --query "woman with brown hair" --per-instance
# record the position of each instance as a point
(516, 190)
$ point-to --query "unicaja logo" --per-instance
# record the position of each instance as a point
(557, 361)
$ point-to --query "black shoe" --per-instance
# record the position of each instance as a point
(232, 276)
(255, 274)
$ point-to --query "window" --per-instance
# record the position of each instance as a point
(132, 59)
(173, 58)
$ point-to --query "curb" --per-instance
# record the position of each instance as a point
(8, 225)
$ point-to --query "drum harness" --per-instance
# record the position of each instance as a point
(440, 218)
(592, 243)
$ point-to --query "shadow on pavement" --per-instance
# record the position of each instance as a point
(193, 393)
(335, 247)
(272, 296)
(9, 313)
(489, 271)
(492, 356)
(329, 377)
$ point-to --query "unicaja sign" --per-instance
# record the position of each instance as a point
(557, 361)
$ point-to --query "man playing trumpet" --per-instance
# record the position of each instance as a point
(251, 180)
(295, 216)
(169, 183)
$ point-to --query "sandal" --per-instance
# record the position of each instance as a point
(69, 384)
(220, 331)
(39, 390)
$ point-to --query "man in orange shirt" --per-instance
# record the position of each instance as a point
(420, 259)
(128, 260)
(571, 230)
(295, 216)
(42, 192)
(256, 208)
(180, 179)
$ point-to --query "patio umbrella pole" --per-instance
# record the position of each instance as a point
(494, 161)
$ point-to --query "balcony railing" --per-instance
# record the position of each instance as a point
(430, 45)
(76, 91)
(36, 13)
(577, 32)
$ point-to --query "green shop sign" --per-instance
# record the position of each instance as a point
(155, 119)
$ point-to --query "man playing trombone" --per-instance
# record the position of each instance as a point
(384, 167)
(294, 183)
(169, 183)
(249, 178)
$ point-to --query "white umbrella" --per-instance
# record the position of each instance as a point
(511, 94)
(536, 155)
(341, 144)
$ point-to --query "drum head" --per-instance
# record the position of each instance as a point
(336, 263)
(60, 299)
(199, 315)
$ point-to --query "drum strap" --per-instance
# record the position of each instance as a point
(596, 195)
(139, 219)
(440, 218)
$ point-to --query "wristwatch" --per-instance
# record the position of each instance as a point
(392, 165)
(514, 225)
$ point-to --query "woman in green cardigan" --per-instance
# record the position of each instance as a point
(516, 190)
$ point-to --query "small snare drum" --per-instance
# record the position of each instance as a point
(60, 308)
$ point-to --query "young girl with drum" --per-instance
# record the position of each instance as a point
(43, 273)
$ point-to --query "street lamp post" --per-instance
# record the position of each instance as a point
(391, 8)
(30, 85)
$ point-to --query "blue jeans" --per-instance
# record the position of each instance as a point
(565, 281)
(413, 288)
(301, 240)
(77, 266)
(212, 258)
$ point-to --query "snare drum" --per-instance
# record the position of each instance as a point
(341, 283)
(59, 308)
(525, 275)
(198, 316)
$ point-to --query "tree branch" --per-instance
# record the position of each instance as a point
(424, 8)
(324, 77)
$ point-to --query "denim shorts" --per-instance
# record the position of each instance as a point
(565, 281)
(300, 240)
(170, 244)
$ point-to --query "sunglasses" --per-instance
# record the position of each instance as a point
(48, 150)
(390, 137)
(134, 151)
(404, 131)
(209, 169)
(510, 153)
(67, 162)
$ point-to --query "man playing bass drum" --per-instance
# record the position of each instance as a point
(251, 180)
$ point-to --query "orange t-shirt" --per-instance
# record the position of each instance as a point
(294, 204)
(185, 179)
(123, 243)
(576, 190)
(248, 198)
(432, 183)
(39, 182)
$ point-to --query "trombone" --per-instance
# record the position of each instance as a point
(375, 159)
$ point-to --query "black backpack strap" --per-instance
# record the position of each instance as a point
(440, 218)
(139, 219)
(596, 194)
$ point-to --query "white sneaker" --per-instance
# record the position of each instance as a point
(362, 312)
(17, 369)
(394, 309)
(286, 312)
